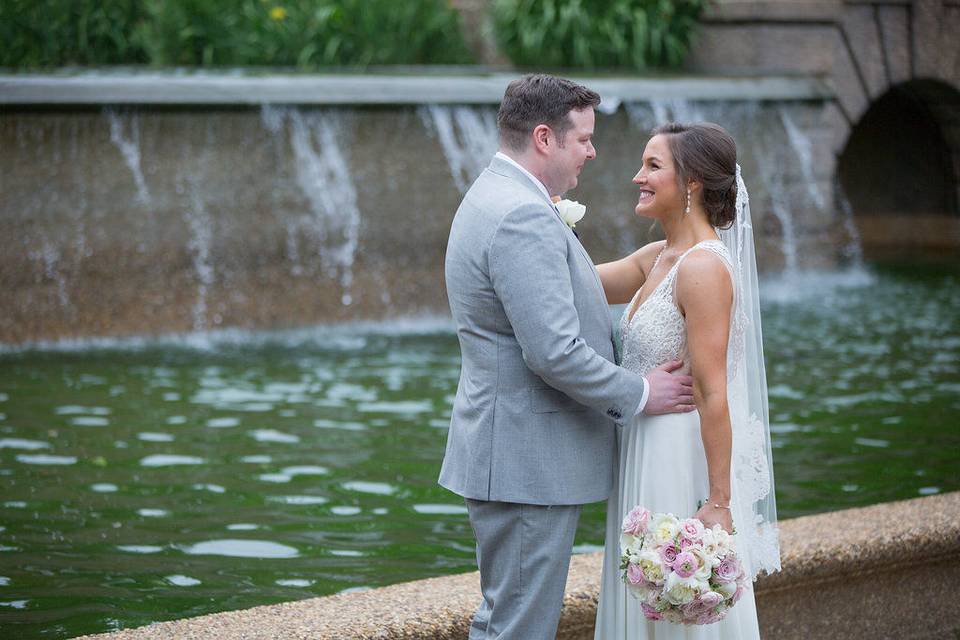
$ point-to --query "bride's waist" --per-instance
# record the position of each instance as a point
(643, 366)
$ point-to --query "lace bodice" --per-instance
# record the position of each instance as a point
(657, 332)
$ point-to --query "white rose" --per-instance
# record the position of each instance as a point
(672, 616)
(680, 590)
(664, 527)
(727, 589)
(630, 544)
(649, 562)
(704, 563)
(724, 540)
(571, 212)
(710, 547)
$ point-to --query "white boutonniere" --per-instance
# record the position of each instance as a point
(571, 211)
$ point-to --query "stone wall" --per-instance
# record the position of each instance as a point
(886, 571)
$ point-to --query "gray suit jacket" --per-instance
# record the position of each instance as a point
(533, 419)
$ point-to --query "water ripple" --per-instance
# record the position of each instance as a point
(299, 500)
(294, 582)
(440, 509)
(166, 460)
(272, 435)
(405, 406)
(89, 421)
(72, 409)
(222, 423)
(41, 458)
(240, 549)
(20, 443)
(379, 488)
(139, 548)
(151, 436)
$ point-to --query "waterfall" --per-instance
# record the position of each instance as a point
(201, 232)
(800, 143)
(49, 254)
(653, 113)
(130, 148)
(782, 211)
(803, 148)
(323, 175)
(468, 137)
(853, 251)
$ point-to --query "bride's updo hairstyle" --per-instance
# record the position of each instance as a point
(705, 152)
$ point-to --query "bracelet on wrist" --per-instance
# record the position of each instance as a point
(717, 505)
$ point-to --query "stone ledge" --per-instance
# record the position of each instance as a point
(922, 534)
(758, 11)
(155, 88)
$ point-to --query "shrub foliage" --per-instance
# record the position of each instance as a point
(596, 34)
(302, 33)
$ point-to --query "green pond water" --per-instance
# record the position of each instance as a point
(146, 480)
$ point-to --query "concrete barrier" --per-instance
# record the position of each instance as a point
(886, 571)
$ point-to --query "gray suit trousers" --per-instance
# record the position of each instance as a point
(523, 552)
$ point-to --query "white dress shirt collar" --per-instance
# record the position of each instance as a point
(532, 177)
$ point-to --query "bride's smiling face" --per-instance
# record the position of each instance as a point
(659, 195)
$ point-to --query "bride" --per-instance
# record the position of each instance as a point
(693, 297)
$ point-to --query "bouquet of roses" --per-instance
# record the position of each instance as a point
(680, 571)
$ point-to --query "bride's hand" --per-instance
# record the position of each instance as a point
(710, 515)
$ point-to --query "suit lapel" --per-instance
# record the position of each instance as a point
(504, 168)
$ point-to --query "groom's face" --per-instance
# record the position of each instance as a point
(572, 153)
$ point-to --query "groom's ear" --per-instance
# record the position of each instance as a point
(543, 137)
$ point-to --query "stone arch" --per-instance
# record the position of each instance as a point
(904, 141)
(896, 73)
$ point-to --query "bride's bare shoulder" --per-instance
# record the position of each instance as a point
(703, 277)
(644, 257)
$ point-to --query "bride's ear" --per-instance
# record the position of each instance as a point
(694, 185)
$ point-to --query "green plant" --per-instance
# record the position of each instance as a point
(302, 33)
(37, 33)
(596, 34)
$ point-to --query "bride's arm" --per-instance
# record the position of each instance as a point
(705, 295)
(623, 277)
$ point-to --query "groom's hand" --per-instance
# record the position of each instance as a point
(669, 392)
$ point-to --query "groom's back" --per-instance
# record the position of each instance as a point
(514, 438)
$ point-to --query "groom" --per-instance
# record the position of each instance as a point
(532, 434)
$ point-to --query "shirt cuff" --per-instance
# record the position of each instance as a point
(643, 398)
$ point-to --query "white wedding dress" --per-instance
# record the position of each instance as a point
(662, 467)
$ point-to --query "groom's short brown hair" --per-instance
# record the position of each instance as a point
(540, 99)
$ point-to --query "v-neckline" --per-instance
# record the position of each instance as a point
(634, 304)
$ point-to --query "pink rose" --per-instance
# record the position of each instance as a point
(691, 529)
(685, 565)
(635, 574)
(709, 617)
(686, 543)
(649, 612)
(692, 610)
(668, 553)
(728, 570)
(737, 594)
(710, 599)
(635, 523)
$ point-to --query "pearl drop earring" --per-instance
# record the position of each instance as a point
(686, 211)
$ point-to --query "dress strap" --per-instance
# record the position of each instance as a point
(714, 246)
